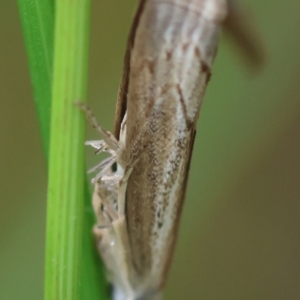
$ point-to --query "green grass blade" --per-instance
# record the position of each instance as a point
(37, 18)
(66, 169)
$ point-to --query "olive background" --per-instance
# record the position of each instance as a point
(239, 236)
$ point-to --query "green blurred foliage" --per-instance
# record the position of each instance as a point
(239, 232)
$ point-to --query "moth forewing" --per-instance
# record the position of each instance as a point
(170, 51)
(174, 47)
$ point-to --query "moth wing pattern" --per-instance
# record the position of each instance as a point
(167, 66)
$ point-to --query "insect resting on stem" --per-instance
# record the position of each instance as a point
(140, 188)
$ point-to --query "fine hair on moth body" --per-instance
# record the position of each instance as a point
(139, 189)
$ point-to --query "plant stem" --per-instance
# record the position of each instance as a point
(37, 18)
(66, 164)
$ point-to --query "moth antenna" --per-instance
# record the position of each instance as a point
(239, 27)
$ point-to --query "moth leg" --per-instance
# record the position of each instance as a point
(110, 187)
(104, 167)
(108, 137)
(99, 145)
(110, 233)
(112, 143)
(104, 205)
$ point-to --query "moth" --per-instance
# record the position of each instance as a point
(140, 188)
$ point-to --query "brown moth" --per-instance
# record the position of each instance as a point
(138, 203)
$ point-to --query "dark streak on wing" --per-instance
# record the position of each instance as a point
(182, 102)
(121, 105)
(179, 209)
(206, 69)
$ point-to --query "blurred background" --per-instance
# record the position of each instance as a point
(239, 236)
